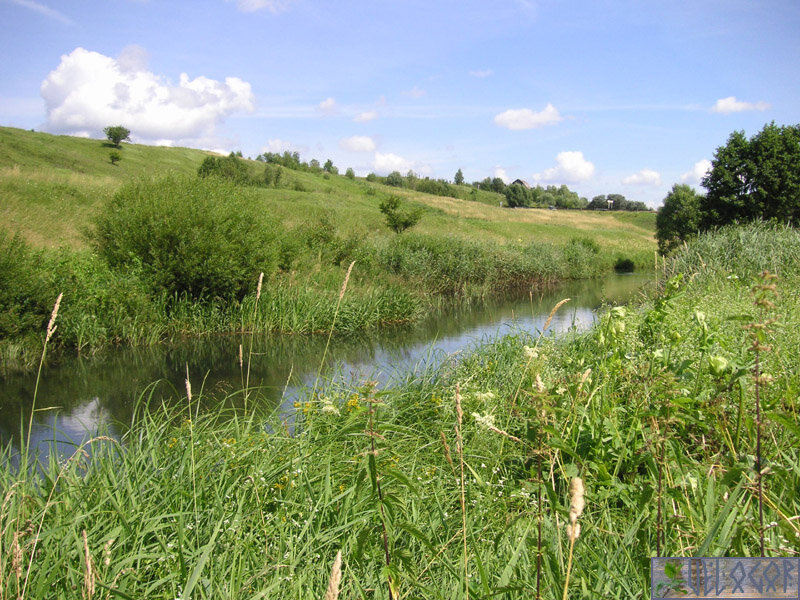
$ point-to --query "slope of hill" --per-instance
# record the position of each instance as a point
(54, 190)
(52, 186)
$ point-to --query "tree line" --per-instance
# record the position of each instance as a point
(755, 179)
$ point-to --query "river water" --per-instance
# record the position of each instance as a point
(79, 396)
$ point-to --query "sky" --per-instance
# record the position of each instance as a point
(618, 96)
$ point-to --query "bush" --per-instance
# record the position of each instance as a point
(25, 298)
(397, 218)
(188, 236)
(624, 265)
(230, 167)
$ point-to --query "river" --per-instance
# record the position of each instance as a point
(79, 396)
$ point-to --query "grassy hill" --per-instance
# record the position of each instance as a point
(304, 232)
(52, 186)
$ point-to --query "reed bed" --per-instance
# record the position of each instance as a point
(459, 482)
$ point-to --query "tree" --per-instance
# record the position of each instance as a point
(116, 134)
(754, 179)
(350, 174)
(679, 219)
(330, 168)
(397, 218)
(459, 178)
(394, 179)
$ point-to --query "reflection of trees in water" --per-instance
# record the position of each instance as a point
(114, 381)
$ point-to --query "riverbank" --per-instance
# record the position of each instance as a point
(459, 476)
(147, 251)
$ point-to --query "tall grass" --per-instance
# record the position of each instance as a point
(221, 504)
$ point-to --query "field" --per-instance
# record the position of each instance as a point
(679, 416)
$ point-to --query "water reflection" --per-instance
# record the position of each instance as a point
(81, 395)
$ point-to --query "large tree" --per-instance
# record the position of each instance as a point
(116, 134)
(679, 218)
(754, 179)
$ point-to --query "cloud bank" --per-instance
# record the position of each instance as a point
(525, 118)
(643, 177)
(699, 170)
(732, 105)
(89, 91)
(357, 143)
(571, 167)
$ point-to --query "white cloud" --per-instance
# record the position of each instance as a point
(731, 105)
(278, 146)
(525, 118)
(501, 173)
(481, 73)
(273, 6)
(697, 173)
(571, 167)
(415, 92)
(357, 143)
(366, 116)
(386, 163)
(643, 177)
(43, 10)
(327, 106)
(89, 91)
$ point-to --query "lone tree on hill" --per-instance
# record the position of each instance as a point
(116, 134)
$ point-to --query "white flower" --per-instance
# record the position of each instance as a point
(329, 408)
(484, 396)
(486, 420)
(530, 353)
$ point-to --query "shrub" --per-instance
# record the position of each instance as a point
(25, 298)
(188, 236)
(624, 265)
(397, 218)
(230, 167)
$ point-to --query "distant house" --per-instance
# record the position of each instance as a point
(521, 182)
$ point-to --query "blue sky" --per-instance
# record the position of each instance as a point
(607, 97)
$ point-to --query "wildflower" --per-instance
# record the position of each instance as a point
(486, 420)
(484, 396)
(329, 408)
(539, 384)
(352, 403)
(530, 353)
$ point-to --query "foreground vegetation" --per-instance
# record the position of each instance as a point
(679, 416)
(171, 242)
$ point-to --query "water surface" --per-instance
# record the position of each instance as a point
(80, 395)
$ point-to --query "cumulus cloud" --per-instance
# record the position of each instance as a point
(697, 172)
(643, 177)
(357, 143)
(386, 163)
(89, 91)
(525, 118)
(501, 173)
(327, 106)
(571, 167)
(731, 105)
(481, 73)
(273, 6)
(366, 116)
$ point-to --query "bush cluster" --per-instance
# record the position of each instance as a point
(188, 236)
